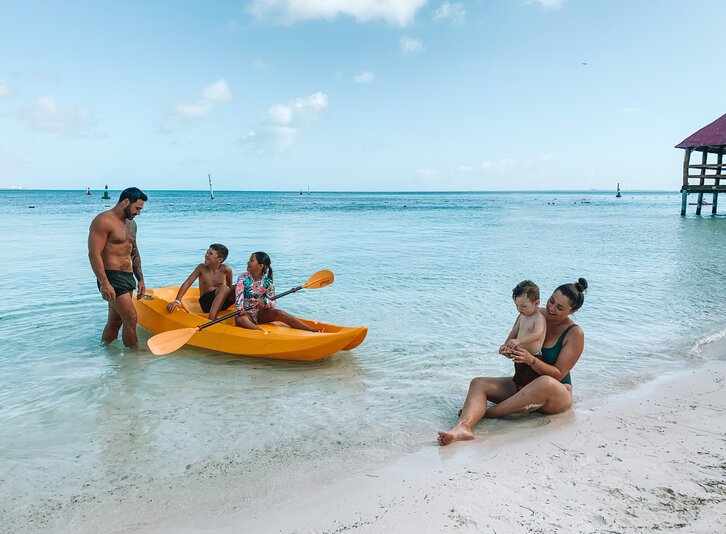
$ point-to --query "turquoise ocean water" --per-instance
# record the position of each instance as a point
(84, 427)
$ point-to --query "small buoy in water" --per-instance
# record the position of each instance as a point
(31, 206)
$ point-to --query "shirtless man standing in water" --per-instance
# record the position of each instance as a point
(116, 261)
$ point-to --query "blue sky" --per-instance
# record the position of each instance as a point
(356, 94)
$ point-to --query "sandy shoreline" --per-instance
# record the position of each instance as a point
(651, 460)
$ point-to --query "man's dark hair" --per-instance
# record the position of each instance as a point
(527, 288)
(133, 194)
(220, 249)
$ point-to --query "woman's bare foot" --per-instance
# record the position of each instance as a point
(459, 433)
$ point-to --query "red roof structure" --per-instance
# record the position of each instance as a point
(712, 135)
(710, 141)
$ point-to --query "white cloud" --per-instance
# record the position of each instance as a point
(46, 115)
(409, 45)
(212, 95)
(398, 12)
(452, 11)
(465, 168)
(4, 90)
(364, 77)
(316, 102)
(549, 4)
(279, 137)
(284, 122)
(217, 92)
(281, 114)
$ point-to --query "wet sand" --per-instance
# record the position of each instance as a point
(651, 460)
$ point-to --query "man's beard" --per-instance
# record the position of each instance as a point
(127, 213)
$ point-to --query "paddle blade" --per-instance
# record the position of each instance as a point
(170, 341)
(320, 279)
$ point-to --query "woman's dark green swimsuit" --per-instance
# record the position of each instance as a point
(524, 374)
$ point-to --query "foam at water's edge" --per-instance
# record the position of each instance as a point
(712, 346)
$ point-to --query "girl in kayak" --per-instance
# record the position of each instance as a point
(254, 291)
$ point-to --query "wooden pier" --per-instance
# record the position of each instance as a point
(704, 176)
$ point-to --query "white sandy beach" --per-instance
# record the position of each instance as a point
(651, 460)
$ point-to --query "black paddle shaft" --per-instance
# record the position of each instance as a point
(246, 308)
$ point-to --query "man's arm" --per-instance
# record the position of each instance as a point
(136, 261)
(97, 237)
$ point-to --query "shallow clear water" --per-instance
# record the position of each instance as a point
(83, 425)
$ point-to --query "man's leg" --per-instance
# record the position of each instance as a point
(113, 324)
(124, 307)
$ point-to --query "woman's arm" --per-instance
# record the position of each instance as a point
(572, 348)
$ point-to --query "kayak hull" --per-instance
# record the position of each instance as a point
(276, 341)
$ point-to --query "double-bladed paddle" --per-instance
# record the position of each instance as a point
(169, 341)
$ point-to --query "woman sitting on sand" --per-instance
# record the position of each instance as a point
(542, 383)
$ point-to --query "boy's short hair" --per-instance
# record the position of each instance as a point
(220, 249)
(526, 288)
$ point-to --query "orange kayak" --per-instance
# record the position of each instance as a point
(277, 341)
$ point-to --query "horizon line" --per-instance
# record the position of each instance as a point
(305, 192)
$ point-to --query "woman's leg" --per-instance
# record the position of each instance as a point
(273, 314)
(244, 321)
(544, 393)
(480, 391)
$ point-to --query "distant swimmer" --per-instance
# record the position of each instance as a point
(116, 262)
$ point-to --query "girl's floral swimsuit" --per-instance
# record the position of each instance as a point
(247, 288)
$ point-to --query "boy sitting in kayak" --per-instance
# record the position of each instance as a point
(215, 283)
(255, 293)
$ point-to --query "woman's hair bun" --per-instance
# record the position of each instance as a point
(581, 285)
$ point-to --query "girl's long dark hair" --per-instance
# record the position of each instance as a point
(264, 259)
